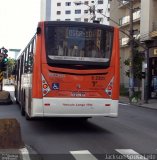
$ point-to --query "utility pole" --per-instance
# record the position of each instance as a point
(92, 11)
(131, 74)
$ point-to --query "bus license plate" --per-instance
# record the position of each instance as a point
(78, 94)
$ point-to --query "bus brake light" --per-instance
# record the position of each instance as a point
(110, 87)
(45, 87)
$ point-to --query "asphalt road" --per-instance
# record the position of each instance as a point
(134, 131)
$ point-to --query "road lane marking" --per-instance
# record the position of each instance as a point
(130, 154)
(83, 155)
(25, 154)
(124, 104)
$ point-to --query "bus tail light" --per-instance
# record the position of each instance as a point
(45, 87)
(109, 88)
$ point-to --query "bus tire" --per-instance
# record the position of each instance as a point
(22, 110)
(22, 106)
(16, 101)
(27, 117)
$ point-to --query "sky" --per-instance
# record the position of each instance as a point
(18, 22)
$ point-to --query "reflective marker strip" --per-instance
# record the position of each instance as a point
(83, 155)
(131, 154)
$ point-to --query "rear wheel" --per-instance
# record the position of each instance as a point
(22, 110)
(22, 106)
(27, 117)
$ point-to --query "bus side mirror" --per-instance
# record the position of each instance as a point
(38, 30)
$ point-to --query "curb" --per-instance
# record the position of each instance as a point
(33, 154)
(137, 105)
(12, 146)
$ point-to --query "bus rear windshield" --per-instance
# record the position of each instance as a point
(78, 44)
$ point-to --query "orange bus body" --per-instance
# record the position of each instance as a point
(58, 91)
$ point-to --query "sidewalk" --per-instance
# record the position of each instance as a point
(152, 103)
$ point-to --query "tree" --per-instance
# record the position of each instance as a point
(138, 58)
(10, 67)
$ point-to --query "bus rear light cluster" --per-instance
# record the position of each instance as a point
(109, 88)
(45, 87)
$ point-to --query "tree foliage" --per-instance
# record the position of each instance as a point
(138, 58)
(10, 67)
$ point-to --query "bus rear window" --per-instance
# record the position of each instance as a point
(78, 44)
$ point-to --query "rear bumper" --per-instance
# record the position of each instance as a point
(74, 107)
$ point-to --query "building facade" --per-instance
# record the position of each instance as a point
(72, 10)
(148, 31)
(120, 12)
(145, 30)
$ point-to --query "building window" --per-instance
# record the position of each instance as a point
(67, 3)
(100, 10)
(68, 12)
(67, 19)
(86, 2)
(58, 12)
(100, 1)
(85, 11)
(77, 11)
(57, 19)
(78, 19)
(86, 20)
(58, 4)
(100, 20)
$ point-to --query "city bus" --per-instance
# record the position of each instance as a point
(69, 69)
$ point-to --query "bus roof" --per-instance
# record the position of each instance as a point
(74, 23)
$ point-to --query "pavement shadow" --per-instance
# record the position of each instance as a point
(71, 125)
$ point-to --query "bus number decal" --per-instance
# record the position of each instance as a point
(98, 78)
